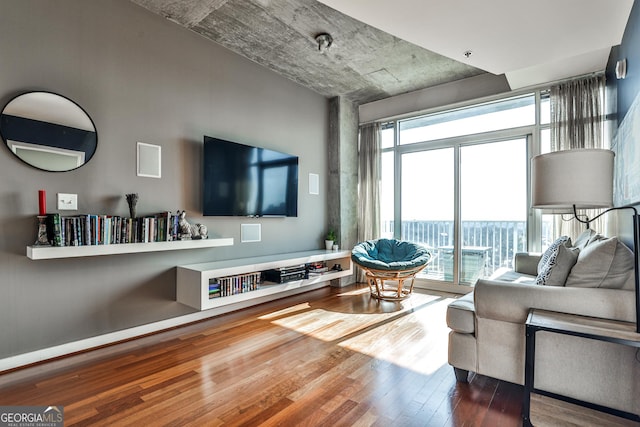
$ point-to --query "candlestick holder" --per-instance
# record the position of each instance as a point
(42, 231)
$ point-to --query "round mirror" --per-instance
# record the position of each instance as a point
(48, 131)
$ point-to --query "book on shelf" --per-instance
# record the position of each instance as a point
(234, 285)
(214, 290)
(317, 268)
(93, 229)
(54, 232)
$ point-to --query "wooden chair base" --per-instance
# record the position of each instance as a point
(380, 289)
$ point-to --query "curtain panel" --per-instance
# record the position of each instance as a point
(577, 114)
(369, 175)
(577, 121)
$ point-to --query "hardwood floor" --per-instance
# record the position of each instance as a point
(327, 357)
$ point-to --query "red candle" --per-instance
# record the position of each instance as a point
(42, 202)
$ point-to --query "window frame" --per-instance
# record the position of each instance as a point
(531, 132)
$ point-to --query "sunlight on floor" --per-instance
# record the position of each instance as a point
(390, 341)
(319, 323)
(358, 291)
(379, 329)
(288, 310)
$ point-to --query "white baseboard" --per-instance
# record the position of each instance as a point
(97, 341)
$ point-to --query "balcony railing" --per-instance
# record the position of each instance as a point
(486, 246)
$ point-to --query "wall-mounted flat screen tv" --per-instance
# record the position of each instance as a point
(242, 180)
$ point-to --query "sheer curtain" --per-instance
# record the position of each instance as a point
(577, 121)
(368, 185)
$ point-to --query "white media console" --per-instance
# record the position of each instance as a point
(193, 280)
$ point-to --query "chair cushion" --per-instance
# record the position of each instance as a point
(390, 254)
(461, 316)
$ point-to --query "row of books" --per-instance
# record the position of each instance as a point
(233, 285)
(239, 284)
(83, 230)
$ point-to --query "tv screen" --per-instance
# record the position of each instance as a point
(241, 180)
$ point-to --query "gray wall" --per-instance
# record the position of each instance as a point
(141, 78)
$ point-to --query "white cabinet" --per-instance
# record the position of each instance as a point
(193, 280)
(51, 252)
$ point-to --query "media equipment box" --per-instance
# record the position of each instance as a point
(286, 274)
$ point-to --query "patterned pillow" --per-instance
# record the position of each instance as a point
(556, 263)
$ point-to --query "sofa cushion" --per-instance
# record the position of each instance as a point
(461, 315)
(556, 263)
(506, 274)
(605, 263)
(526, 263)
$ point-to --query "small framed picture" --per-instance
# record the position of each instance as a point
(314, 183)
(149, 160)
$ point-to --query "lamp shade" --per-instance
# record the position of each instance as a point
(582, 177)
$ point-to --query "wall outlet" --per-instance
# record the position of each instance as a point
(67, 202)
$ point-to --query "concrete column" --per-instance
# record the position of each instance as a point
(343, 175)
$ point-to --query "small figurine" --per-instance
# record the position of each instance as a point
(190, 231)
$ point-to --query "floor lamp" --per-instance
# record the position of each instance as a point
(564, 181)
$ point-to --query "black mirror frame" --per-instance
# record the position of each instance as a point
(95, 132)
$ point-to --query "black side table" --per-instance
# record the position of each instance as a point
(579, 326)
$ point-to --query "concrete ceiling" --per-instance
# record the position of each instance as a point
(394, 52)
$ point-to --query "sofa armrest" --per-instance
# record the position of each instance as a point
(526, 263)
(511, 302)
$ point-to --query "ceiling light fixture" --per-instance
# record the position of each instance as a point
(324, 41)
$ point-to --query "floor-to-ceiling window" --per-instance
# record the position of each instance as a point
(456, 181)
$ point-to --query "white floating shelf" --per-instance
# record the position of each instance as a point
(52, 252)
(193, 280)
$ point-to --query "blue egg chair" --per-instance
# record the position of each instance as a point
(390, 260)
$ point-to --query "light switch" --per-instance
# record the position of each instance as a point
(67, 202)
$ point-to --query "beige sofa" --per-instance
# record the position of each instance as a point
(488, 333)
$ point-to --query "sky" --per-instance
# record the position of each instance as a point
(492, 183)
(492, 175)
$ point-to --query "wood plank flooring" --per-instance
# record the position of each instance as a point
(331, 357)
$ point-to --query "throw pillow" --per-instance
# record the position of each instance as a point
(605, 263)
(586, 238)
(556, 263)
(551, 250)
